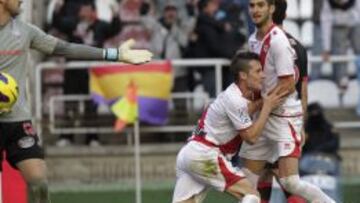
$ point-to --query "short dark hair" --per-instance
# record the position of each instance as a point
(271, 2)
(280, 12)
(91, 4)
(203, 3)
(240, 63)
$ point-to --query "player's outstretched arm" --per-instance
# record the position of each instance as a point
(124, 53)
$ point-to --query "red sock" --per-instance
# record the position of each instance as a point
(293, 198)
(264, 188)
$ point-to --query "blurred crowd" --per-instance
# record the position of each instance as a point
(170, 29)
(196, 29)
(201, 29)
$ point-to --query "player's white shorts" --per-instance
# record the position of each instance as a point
(281, 137)
(198, 167)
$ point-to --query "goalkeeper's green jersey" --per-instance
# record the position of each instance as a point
(17, 38)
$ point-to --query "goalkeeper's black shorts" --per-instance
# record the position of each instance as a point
(19, 141)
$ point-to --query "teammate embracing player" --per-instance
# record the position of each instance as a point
(18, 138)
(205, 160)
(281, 137)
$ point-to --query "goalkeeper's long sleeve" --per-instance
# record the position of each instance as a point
(78, 51)
(124, 53)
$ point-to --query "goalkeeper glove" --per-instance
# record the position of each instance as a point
(127, 55)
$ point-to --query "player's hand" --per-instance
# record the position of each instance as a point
(133, 56)
(274, 98)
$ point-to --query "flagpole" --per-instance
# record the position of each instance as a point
(137, 162)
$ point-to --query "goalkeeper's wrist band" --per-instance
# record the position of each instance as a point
(111, 54)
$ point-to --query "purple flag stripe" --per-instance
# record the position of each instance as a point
(151, 110)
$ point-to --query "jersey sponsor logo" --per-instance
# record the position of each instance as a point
(10, 52)
(26, 142)
(244, 117)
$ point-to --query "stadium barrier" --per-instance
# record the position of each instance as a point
(217, 64)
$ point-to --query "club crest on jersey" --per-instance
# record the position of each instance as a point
(26, 142)
(287, 146)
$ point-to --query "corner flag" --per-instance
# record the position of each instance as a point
(126, 108)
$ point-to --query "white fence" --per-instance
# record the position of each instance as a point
(218, 64)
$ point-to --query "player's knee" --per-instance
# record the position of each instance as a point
(252, 177)
(242, 189)
(38, 187)
(291, 183)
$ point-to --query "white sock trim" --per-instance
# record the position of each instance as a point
(250, 198)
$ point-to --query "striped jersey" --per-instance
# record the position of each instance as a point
(17, 39)
(223, 119)
(277, 59)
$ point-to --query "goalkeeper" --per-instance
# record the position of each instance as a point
(18, 138)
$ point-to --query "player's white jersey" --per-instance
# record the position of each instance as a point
(222, 120)
(277, 58)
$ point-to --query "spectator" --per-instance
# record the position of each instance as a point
(214, 39)
(129, 14)
(320, 152)
(321, 137)
(340, 24)
(168, 38)
(239, 11)
(182, 7)
(65, 17)
(87, 29)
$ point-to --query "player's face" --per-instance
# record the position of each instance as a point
(260, 11)
(255, 75)
(13, 7)
(170, 15)
(212, 7)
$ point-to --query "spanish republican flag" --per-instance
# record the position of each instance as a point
(153, 81)
(126, 109)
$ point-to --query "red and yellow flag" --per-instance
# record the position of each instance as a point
(153, 85)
